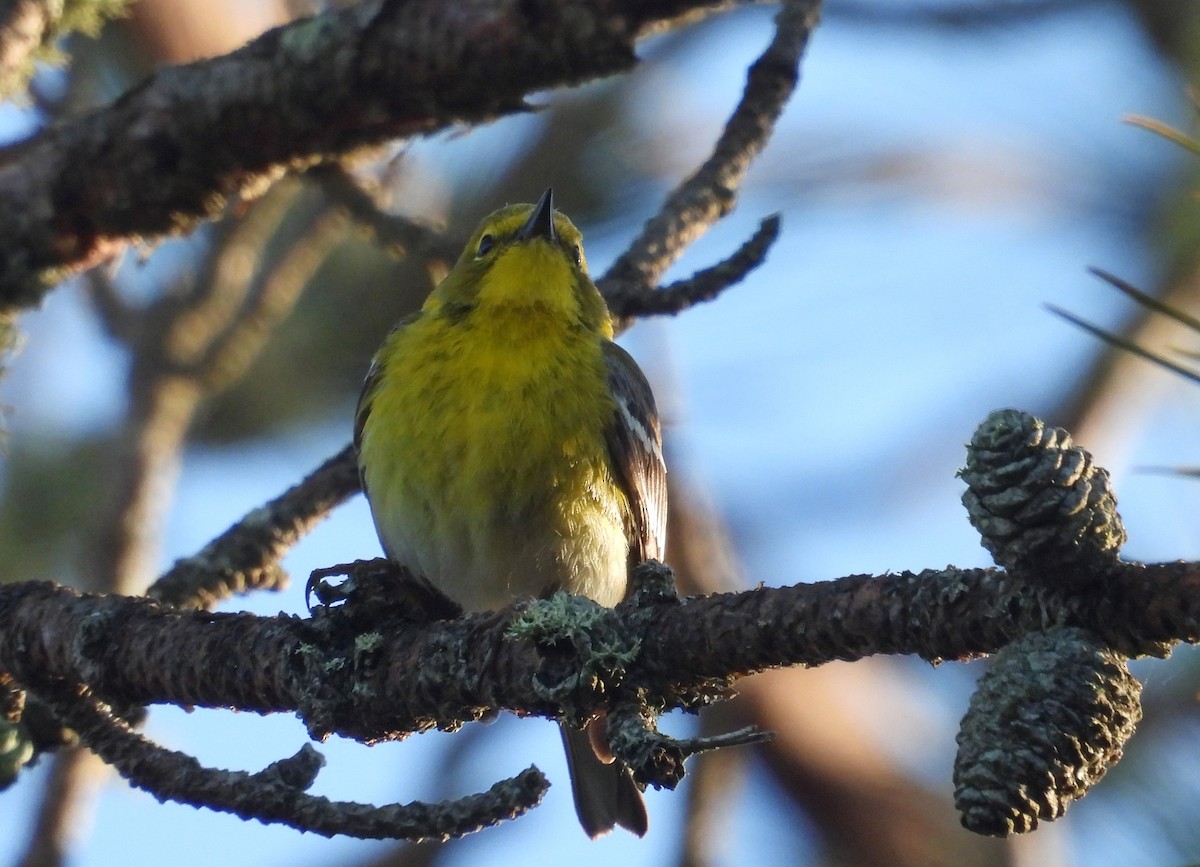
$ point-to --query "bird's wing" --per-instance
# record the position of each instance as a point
(635, 447)
(366, 397)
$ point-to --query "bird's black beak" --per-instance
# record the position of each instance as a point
(541, 222)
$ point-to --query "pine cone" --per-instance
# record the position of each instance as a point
(1042, 507)
(1045, 723)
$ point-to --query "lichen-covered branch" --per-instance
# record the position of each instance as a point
(440, 674)
(277, 793)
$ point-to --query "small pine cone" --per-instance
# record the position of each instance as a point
(1045, 723)
(1040, 504)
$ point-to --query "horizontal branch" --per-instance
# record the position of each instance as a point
(175, 149)
(382, 678)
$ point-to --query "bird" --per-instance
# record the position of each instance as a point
(508, 448)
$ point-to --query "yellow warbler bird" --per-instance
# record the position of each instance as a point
(508, 447)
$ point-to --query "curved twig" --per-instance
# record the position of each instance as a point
(276, 794)
(629, 302)
(710, 192)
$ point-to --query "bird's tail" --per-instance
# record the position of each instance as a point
(605, 794)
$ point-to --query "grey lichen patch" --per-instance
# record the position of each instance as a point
(306, 40)
(602, 647)
(575, 618)
(367, 642)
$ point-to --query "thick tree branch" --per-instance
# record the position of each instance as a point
(172, 151)
(409, 677)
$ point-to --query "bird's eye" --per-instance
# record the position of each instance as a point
(485, 244)
(577, 252)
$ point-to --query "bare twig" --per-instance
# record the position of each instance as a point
(627, 302)
(276, 794)
(416, 239)
(710, 192)
(709, 742)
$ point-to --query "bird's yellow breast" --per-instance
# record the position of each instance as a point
(503, 486)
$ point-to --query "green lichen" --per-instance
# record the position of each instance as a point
(603, 647)
(367, 642)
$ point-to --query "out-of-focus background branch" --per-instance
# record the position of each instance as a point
(960, 157)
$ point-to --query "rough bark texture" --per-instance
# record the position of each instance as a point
(396, 677)
(174, 150)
